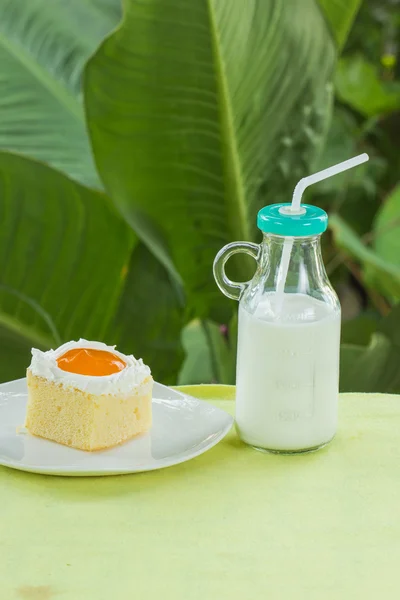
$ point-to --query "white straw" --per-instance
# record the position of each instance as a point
(282, 272)
(321, 175)
(295, 209)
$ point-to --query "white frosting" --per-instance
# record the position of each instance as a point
(44, 364)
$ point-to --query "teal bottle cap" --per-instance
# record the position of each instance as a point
(277, 219)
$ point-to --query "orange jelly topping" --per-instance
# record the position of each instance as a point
(86, 361)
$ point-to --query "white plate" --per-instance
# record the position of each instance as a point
(183, 428)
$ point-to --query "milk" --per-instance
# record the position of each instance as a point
(288, 373)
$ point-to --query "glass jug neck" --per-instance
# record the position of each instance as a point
(308, 247)
(279, 240)
(306, 269)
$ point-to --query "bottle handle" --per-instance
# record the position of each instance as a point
(232, 289)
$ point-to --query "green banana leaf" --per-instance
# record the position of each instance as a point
(358, 83)
(63, 254)
(377, 271)
(70, 267)
(201, 112)
(361, 367)
(209, 357)
(43, 49)
(375, 367)
(340, 15)
(386, 228)
(150, 317)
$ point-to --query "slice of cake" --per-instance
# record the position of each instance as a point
(88, 396)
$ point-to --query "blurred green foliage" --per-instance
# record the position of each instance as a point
(161, 145)
(362, 253)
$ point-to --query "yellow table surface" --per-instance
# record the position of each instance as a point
(230, 524)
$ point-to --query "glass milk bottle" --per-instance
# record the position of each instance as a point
(287, 378)
(289, 332)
